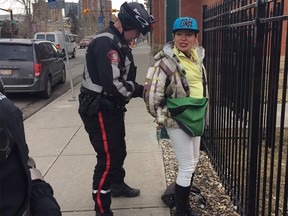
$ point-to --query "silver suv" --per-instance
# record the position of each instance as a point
(29, 65)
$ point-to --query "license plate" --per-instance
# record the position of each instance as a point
(5, 72)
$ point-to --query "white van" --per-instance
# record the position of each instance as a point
(57, 38)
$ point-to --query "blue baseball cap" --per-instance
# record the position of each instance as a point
(185, 23)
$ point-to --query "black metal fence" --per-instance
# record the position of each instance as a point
(247, 66)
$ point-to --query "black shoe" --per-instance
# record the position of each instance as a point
(104, 214)
(123, 189)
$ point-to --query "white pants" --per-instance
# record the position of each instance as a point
(187, 150)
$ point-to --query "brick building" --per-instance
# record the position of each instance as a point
(166, 11)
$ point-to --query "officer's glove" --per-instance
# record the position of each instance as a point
(138, 92)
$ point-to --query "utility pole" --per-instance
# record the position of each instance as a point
(12, 21)
(59, 5)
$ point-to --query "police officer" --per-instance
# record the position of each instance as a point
(23, 191)
(108, 85)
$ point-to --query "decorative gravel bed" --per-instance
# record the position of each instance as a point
(206, 179)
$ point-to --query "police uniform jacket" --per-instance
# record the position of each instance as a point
(109, 68)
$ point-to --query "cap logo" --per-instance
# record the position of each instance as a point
(186, 22)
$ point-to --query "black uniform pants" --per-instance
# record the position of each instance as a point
(107, 135)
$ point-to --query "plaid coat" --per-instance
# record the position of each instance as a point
(166, 78)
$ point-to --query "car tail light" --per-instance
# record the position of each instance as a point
(58, 46)
(37, 69)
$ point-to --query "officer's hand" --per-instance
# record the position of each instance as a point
(138, 91)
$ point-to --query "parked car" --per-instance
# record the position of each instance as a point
(28, 65)
(57, 38)
(84, 43)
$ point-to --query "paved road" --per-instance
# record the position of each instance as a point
(31, 103)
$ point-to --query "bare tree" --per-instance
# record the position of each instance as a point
(28, 15)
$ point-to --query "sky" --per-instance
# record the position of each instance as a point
(17, 8)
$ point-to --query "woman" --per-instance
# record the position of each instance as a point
(179, 69)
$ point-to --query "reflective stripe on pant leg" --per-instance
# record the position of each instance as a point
(104, 138)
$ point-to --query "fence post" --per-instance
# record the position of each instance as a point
(204, 9)
(254, 120)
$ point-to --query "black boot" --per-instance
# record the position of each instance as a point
(182, 201)
(122, 189)
(197, 192)
(194, 189)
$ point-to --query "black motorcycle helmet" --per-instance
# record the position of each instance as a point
(134, 16)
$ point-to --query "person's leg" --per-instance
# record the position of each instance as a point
(183, 148)
(119, 152)
(100, 129)
(119, 187)
(196, 154)
(196, 151)
(107, 135)
(187, 157)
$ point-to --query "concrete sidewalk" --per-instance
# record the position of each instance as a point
(63, 153)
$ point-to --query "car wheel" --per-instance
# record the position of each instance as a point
(46, 93)
(63, 77)
(74, 53)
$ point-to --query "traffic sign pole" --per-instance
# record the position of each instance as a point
(67, 56)
(100, 22)
(59, 4)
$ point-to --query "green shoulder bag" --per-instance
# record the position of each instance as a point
(189, 113)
